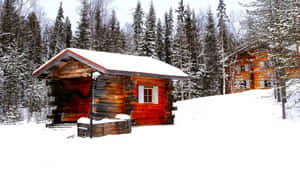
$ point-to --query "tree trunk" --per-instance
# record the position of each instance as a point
(283, 97)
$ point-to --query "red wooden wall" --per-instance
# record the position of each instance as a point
(151, 114)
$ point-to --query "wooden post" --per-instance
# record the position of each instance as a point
(92, 107)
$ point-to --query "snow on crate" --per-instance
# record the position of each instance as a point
(123, 116)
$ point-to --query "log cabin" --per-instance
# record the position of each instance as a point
(250, 67)
(135, 85)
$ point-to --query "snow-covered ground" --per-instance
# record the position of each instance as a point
(238, 131)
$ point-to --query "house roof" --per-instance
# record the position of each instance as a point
(118, 64)
(246, 47)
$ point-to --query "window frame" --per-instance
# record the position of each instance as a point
(147, 95)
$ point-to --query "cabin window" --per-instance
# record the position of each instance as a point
(261, 64)
(148, 94)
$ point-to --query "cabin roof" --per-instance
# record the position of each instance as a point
(112, 63)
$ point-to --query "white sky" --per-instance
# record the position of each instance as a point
(125, 8)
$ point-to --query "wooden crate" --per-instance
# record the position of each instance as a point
(105, 128)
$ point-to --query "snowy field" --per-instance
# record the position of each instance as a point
(239, 131)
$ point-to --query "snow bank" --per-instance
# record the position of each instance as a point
(293, 101)
(237, 131)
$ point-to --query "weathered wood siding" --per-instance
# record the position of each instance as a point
(113, 95)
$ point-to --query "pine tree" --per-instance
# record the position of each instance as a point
(98, 39)
(223, 39)
(138, 28)
(193, 42)
(14, 78)
(11, 64)
(114, 36)
(83, 33)
(58, 37)
(159, 41)
(68, 33)
(150, 36)
(211, 84)
(9, 19)
(168, 36)
(33, 58)
(180, 52)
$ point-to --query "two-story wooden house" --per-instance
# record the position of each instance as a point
(250, 67)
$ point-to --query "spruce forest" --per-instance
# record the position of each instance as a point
(196, 42)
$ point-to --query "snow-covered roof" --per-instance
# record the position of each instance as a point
(112, 63)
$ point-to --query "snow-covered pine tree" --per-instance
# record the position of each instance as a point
(33, 88)
(223, 39)
(13, 85)
(98, 39)
(196, 68)
(168, 36)
(180, 52)
(68, 32)
(8, 35)
(159, 41)
(83, 32)
(188, 61)
(150, 36)
(115, 39)
(46, 33)
(138, 29)
(213, 74)
(58, 36)
(9, 19)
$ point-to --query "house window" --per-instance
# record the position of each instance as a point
(243, 84)
(262, 84)
(243, 68)
(148, 94)
(237, 84)
(238, 69)
(246, 67)
(248, 84)
(268, 84)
